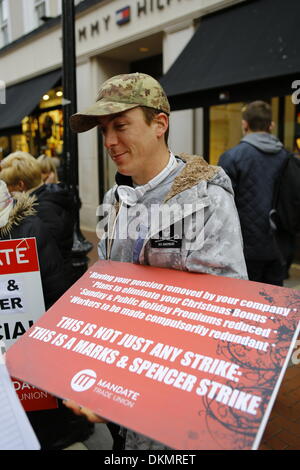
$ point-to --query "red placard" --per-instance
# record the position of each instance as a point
(18, 256)
(32, 398)
(21, 303)
(191, 360)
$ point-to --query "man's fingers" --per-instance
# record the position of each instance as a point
(92, 417)
(72, 405)
(82, 411)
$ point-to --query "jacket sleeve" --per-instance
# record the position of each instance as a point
(51, 263)
(221, 249)
(227, 162)
(51, 219)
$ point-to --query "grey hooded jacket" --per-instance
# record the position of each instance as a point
(200, 195)
(197, 199)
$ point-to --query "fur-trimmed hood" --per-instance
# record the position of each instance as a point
(196, 169)
(23, 207)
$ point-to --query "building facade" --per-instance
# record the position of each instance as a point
(112, 36)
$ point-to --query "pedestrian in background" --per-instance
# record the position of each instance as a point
(55, 206)
(56, 428)
(48, 169)
(18, 219)
(254, 166)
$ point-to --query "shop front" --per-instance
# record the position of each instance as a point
(32, 118)
(42, 131)
(240, 54)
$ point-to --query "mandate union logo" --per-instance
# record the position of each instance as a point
(83, 380)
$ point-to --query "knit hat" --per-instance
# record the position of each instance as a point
(6, 204)
(121, 93)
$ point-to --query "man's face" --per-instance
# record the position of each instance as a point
(131, 142)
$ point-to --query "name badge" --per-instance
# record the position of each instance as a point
(167, 243)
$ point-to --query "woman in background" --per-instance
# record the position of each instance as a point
(48, 167)
(18, 219)
(55, 206)
(55, 429)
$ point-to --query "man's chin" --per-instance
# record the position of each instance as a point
(123, 171)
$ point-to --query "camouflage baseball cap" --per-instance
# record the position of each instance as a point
(121, 93)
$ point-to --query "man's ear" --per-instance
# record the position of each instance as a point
(245, 126)
(20, 186)
(272, 126)
(161, 124)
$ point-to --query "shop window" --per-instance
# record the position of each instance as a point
(30, 133)
(225, 129)
(43, 130)
(4, 147)
(289, 125)
(52, 98)
(297, 132)
(18, 143)
(275, 116)
(51, 133)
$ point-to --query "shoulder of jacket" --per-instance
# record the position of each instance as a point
(23, 208)
(195, 170)
(237, 149)
(109, 196)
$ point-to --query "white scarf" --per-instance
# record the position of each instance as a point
(6, 204)
(131, 195)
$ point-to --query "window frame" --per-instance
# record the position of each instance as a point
(4, 30)
(37, 4)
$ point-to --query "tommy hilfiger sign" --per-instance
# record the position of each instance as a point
(124, 16)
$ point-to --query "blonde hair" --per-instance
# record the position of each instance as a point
(21, 166)
(47, 166)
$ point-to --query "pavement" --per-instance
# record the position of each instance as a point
(283, 428)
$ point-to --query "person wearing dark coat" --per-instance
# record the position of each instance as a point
(23, 222)
(56, 209)
(55, 205)
(254, 166)
(58, 428)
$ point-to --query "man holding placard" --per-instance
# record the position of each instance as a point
(165, 210)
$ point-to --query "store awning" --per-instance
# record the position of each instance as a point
(21, 99)
(252, 42)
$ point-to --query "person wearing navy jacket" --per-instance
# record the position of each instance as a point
(253, 167)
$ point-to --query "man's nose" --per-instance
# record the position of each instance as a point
(110, 138)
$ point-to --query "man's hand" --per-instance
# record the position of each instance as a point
(82, 411)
